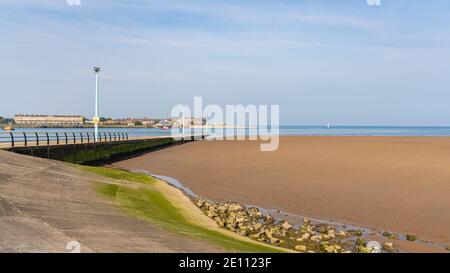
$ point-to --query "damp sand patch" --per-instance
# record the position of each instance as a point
(304, 234)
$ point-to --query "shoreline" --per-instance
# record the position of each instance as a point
(368, 233)
(385, 183)
(184, 217)
(182, 202)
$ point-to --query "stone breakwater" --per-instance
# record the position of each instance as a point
(308, 237)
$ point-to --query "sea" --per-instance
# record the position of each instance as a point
(284, 130)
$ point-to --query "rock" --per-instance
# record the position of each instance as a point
(360, 242)
(242, 232)
(268, 232)
(205, 205)
(250, 222)
(276, 228)
(274, 240)
(322, 228)
(393, 236)
(363, 249)
(316, 238)
(411, 237)
(257, 235)
(281, 233)
(241, 227)
(286, 225)
(257, 226)
(389, 247)
(304, 237)
(249, 227)
(306, 229)
(268, 219)
(447, 248)
(333, 249)
(211, 214)
(200, 203)
(331, 233)
(222, 209)
(300, 248)
(235, 207)
(230, 226)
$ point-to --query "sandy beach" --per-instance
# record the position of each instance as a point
(400, 184)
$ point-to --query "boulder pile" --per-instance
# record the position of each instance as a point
(308, 237)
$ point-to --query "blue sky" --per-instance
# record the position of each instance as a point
(339, 62)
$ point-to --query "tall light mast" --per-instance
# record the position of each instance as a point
(183, 123)
(96, 119)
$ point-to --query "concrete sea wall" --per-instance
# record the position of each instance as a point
(96, 153)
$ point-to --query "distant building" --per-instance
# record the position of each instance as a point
(48, 120)
(4, 120)
(164, 123)
(145, 122)
(188, 122)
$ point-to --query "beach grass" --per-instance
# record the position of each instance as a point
(148, 203)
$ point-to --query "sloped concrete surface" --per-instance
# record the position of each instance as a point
(45, 205)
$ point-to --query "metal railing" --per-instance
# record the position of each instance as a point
(24, 139)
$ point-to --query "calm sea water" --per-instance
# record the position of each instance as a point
(284, 130)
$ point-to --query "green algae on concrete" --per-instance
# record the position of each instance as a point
(101, 152)
(120, 174)
(146, 202)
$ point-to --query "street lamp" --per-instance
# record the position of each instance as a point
(96, 119)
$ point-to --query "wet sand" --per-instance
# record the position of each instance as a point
(400, 184)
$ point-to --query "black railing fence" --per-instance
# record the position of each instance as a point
(14, 139)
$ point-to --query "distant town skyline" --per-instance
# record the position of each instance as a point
(337, 62)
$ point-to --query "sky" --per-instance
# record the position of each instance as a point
(338, 62)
